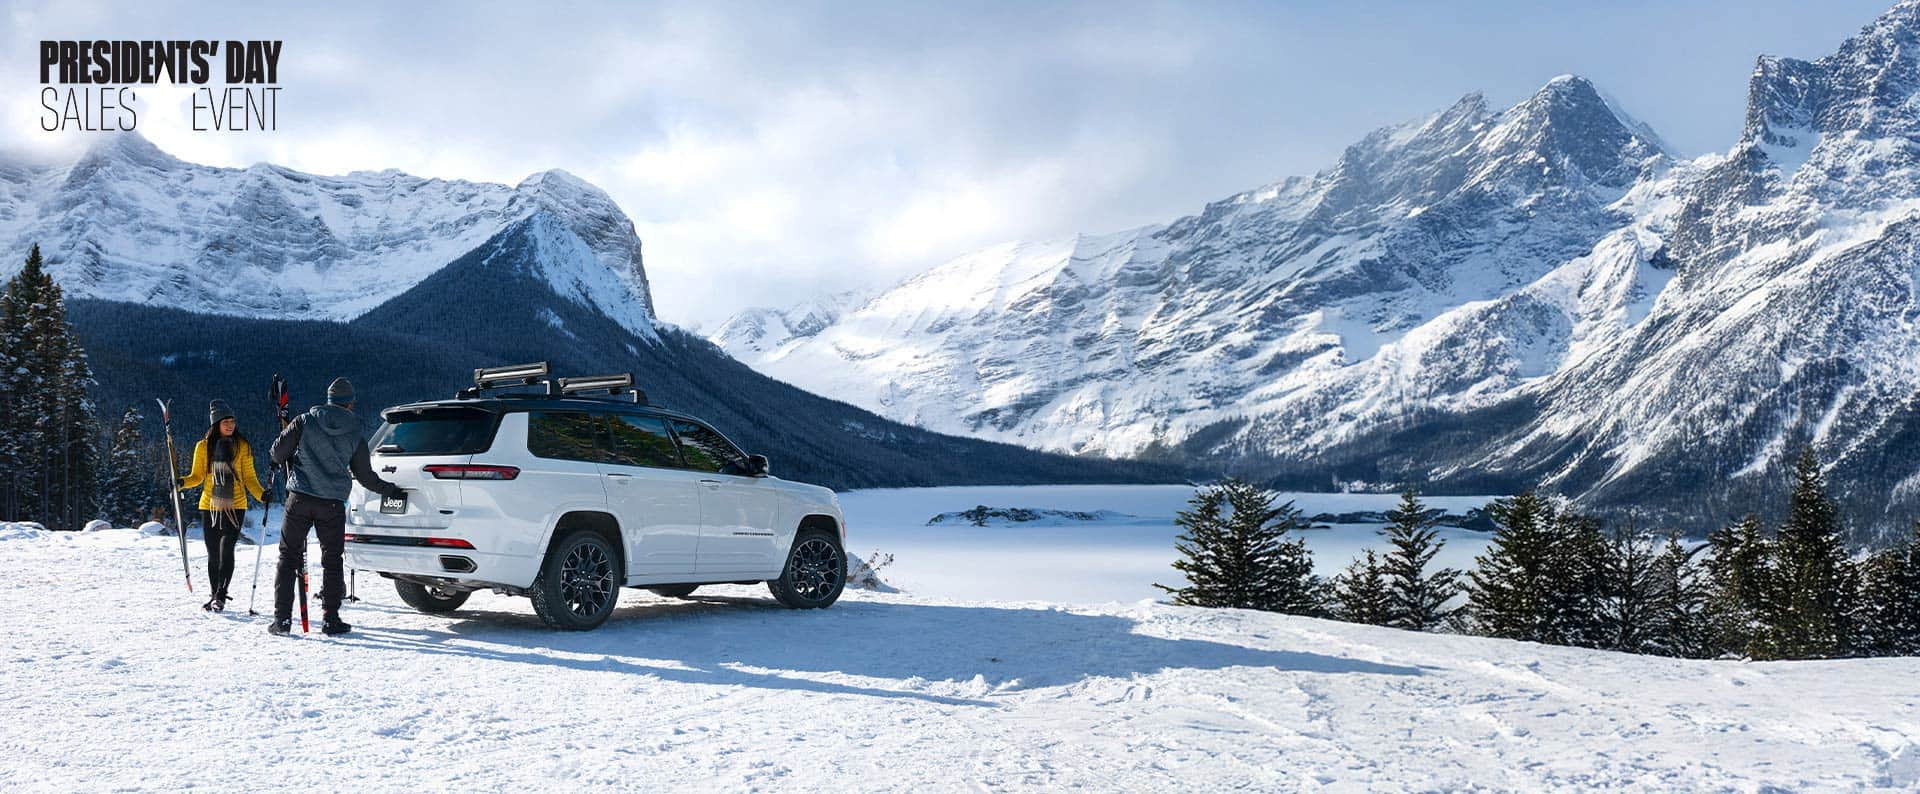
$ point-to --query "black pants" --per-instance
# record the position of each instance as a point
(222, 530)
(328, 519)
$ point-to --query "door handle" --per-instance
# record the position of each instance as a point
(619, 477)
(710, 483)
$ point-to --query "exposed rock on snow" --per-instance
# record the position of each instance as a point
(1473, 519)
(982, 515)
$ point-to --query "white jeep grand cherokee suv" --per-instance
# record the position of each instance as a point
(566, 498)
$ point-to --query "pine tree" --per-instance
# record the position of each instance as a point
(1219, 571)
(1807, 612)
(1291, 586)
(1890, 600)
(1736, 586)
(1679, 614)
(1577, 580)
(1234, 553)
(47, 412)
(76, 454)
(1510, 589)
(1362, 594)
(1627, 602)
(124, 483)
(19, 432)
(1418, 600)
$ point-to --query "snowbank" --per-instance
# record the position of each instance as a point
(881, 692)
(21, 530)
(96, 525)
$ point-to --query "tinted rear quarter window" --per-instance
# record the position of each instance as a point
(641, 441)
(707, 450)
(436, 431)
(566, 435)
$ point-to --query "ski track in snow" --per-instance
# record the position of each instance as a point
(135, 688)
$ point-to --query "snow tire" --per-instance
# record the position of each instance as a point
(579, 582)
(815, 574)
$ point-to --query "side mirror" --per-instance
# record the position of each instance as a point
(757, 465)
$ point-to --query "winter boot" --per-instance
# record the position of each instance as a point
(280, 626)
(334, 625)
(208, 607)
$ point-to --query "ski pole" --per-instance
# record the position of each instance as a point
(173, 492)
(260, 546)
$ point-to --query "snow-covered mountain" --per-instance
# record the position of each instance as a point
(191, 282)
(1114, 343)
(128, 222)
(1472, 299)
(754, 330)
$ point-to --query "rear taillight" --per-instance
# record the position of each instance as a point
(451, 543)
(452, 471)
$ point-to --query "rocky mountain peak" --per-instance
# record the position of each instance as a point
(116, 151)
(1867, 86)
(126, 221)
(1569, 123)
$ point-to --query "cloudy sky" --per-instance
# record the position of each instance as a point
(771, 151)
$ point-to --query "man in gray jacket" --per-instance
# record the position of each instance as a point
(326, 452)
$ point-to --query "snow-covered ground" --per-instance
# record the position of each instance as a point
(1084, 561)
(113, 679)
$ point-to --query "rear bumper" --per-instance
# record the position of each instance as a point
(442, 562)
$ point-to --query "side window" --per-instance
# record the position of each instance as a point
(641, 441)
(566, 435)
(706, 450)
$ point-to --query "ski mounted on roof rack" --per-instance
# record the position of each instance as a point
(536, 374)
(613, 385)
(489, 378)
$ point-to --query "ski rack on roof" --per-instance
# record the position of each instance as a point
(536, 374)
(489, 378)
(613, 385)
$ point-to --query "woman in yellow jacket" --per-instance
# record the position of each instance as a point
(223, 465)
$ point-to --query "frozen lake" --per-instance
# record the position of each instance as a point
(1084, 562)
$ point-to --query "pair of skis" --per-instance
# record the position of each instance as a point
(277, 396)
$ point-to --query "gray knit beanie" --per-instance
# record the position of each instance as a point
(218, 410)
(340, 391)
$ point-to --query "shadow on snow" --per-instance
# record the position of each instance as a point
(749, 642)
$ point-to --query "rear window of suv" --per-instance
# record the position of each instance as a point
(452, 430)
